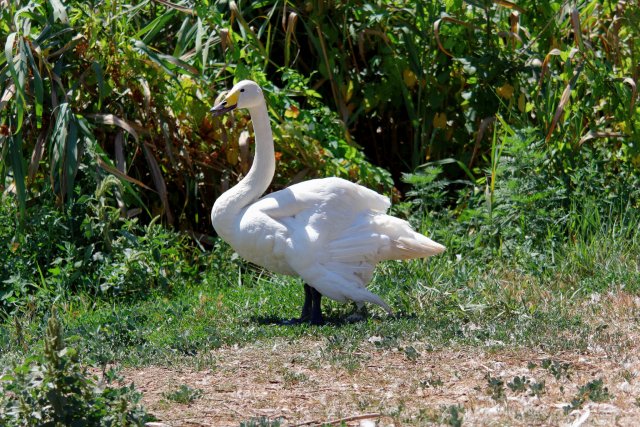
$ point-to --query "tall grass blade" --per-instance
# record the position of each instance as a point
(545, 64)
(163, 60)
(97, 69)
(15, 152)
(199, 36)
(509, 5)
(70, 159)
(7, 95)
(114, 171)
(634, 92)
(484, 125)
(153, 56)
(110, 119)
(592, 134)
(178, 7)
(36, 155)
(119, 151)
(245, 29)
(436, 31)
(151, 30)
(159, 182)
(18, 79)
(290, 32)
(564, 99)
(38, 87)
(577, 31)
(58, 143)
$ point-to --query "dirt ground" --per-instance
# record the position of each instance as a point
(302, 383)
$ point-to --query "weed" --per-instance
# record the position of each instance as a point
(559, 370)
(184, 394)
(495, 387)
(260, 422)
(519, 384)
(291, 378)
(537, 389)
(628, 375)
(593, 390)
(54, 387)
(411, 353)
(434, 382)
(453, 416)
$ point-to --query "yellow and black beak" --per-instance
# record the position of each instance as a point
(229, 102)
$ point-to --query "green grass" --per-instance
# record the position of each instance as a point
(533, 301)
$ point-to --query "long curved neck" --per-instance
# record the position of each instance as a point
(255, 183)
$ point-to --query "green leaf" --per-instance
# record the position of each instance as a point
(97, 68)
(38, 87)
(71, 158)
(17, 165)
(155, 26)
(59, 11)
(18, 79)
(57, 147)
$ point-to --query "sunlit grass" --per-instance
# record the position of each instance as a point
(441, 302)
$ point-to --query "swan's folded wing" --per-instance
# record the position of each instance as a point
(334, 197)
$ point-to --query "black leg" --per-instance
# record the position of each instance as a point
(316, 308)
(307, 308)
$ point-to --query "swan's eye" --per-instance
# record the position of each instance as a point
(241, 90)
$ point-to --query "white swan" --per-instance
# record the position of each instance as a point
(331, 232)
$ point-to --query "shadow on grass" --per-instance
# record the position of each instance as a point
(335, 320)
(288, 323)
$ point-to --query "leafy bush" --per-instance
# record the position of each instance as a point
(97, 89)
(88, 249)
(55, 388)
(526, 201)
(123, 89)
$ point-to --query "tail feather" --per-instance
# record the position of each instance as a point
(405, 243)
(381, 237)
(417, 246)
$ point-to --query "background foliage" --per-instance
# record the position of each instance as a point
(92, 89)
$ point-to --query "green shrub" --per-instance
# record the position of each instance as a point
(109, 88)
(55, 388)
(88, 249)
(527, 202)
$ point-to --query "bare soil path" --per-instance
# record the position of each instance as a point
(305, 383)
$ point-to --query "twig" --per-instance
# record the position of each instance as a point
(341, 420)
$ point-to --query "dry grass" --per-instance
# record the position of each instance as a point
(304, 382)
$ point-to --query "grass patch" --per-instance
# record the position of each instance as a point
(445, 301)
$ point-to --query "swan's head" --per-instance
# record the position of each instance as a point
(245, 94)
